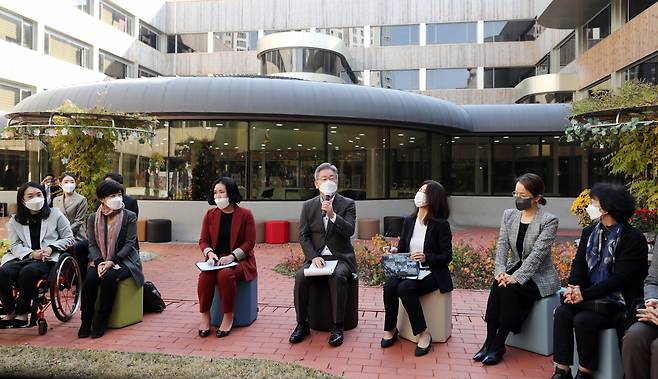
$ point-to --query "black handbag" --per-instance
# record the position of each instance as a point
(399, 266)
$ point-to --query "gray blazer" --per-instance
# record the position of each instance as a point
(313, 237)
(55, 231)
(537, 264)
(75, 211)
(126, 248)
(651, 282)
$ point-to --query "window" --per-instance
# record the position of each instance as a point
(119, 19)
(451, 78)
(321, 62)
(301, 59)
(14, 165)
(394, 35)
(543, 67)
(458, 32)
(283, 159)
(410, 162)
(235, 41)
(506, 31)
(113, 66)
(202, 150)
(635, 7)
(406, 80)
(67, 49)
(143, 72)
(647, 70)
(187, 43)
(16, 30)
(352, 37)
(83, 5)
(346, 78)
(514, 156)
(149, 36)
(506, 77)
(598, 28)
(12, 94)
(567, 51)
(359, 153)
(570, 163)
(469, 165)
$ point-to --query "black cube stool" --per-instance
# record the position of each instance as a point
(319, 312)
(158, 230)
(393, 226)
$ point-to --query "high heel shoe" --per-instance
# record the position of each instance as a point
(391, 341)
(420, 351)
(204, 333)
(223, 333)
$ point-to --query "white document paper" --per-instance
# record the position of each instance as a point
(328, 269)
(209, 266)
(421, 275)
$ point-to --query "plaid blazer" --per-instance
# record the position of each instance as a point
(537, 264)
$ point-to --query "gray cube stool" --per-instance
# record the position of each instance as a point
(610, 366)
(537, 331)
(158, 230)
(260, 231)
(293, 230)
(367, 228)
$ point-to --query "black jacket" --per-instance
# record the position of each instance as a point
(629, 271)
(437, 248)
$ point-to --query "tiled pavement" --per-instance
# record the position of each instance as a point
(175, 330)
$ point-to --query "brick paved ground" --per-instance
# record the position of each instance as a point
(175, 330)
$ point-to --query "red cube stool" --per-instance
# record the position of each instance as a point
(276, 231)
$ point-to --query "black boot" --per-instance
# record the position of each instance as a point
(100, 326)
(479, 356)
(85, 329)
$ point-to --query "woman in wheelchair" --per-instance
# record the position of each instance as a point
(113, 256)
(37, 235)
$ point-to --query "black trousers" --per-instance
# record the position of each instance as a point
(81, 255)
(640, 351)
(508, 307)
(587, 324)
(23, 274)
(409, 291)
(337, 291)
(108, 284)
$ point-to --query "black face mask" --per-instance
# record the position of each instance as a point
(523, 204)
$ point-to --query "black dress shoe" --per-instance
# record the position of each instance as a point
(479, 356)
(17, 323)
(336, 336)
(85, 330)
(222, 333)
(391, 341)
(301, 331)
(420, 351)
(561, 374)
(494, 357)
(584, 375)
(204, 333)
(98, 331)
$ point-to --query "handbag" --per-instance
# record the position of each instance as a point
(399, 266)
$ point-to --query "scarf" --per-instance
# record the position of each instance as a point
(600, 254)
(107, 244)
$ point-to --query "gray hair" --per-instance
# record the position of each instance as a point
(324, 166)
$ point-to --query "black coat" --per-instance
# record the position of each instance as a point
(630, 268)
(437, 248)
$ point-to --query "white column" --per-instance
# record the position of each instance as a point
(95, 61)
(136, 28)
(480, 78)
(366, 38)
(422, 37)
(40, 38)
(366, 77)
(480, 31)
(422, 79)
(210, 42)
(96, 9)
(261, 33)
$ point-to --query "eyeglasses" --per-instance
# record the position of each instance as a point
(516, 194)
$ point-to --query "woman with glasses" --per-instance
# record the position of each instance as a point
(524, 270)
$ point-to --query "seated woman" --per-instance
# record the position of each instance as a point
(74, 207)
(113, 256)
(524, 270)
(610, 266)
(228, 234)
(640, 348)
(426, 235)
(37, 235)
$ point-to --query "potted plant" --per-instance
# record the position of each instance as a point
(646, 221)
(579, 206)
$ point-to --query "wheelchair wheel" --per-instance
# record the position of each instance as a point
(43, 326)
(65, 287)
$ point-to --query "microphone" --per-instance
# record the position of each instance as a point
(326, 198)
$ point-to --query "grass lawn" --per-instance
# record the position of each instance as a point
(25, 361)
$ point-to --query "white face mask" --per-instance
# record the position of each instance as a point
(328, 187)
(115, 202)
(593, 212)
(222, 202)
(35, 203)
(68, 187)
(420, 199)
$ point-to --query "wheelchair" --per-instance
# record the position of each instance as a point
(60, 289)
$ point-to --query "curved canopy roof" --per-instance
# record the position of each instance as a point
(293, 99)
